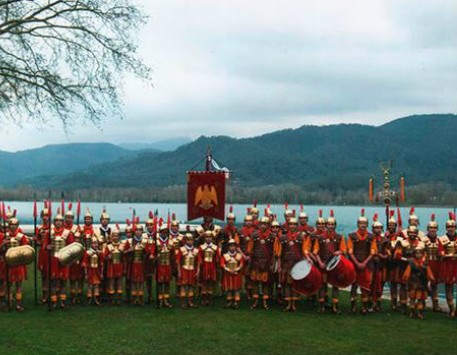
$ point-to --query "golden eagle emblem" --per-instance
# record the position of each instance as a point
(206, 197)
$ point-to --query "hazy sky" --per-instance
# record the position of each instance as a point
(242, 68)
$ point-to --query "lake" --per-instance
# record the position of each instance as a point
(346, 215)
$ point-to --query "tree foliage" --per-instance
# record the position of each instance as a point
(66, 58)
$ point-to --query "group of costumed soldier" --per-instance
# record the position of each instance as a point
(255, 260)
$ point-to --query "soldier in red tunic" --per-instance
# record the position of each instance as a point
(114, 262)
(60, 237)
(275, 229)
(232, 265)
(209, 260)
(432, 251)
(165, 253)
(288, 214)
(244, 238)
(127, 260)
(187, 260)
(303, 225)
(417, 275)
(448, 253)
(379, 263)
(76, 273)
(326, 246)
(361, 248)
(16, 274)
(93, 265)
(140, 248)
(289, 250)
(260, 249)
(229, 231)
(150, 234)
(42, 234)
(394, 236)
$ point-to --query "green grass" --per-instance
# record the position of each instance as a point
(142, 330)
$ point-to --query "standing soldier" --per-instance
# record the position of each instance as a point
(260, 249)
(394, 236)
(448, 251)
(150, 234)
(140, 249)
(303, 226)
(93, 265)
(379, 263)
(165, 253)
(187, 259)
(43, 264)
(244, 238)
(178, 241)
(326, 246)
(232, 264)
(288, 250)
(413, 220)
(209, 259)
(114, 263)
(254, 212)
(417, 275)
(361, 249)
(76, 272)
(16, 274)
(275, 284)
(103, 232)
(433, 259)
(60, 237)
(228, 232)
(288, 214)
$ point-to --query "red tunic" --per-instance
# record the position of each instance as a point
(15, 273)
(42, 253)
(208, 259)
(448, 252)
(187, 259)
(93, 263)
(114, 267)
(231, 281)
(57, 270)
(140, 250)
(165, 254)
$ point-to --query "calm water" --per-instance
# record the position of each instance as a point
(346, 215)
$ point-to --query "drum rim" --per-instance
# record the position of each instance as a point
(333, 262)
(301, 262)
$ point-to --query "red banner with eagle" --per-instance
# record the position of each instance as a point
(205, 194)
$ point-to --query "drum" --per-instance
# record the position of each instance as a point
(340, 272)
(21, 255)
(70, 254)
(307, 279)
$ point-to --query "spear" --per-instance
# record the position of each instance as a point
(155, 257)
(35, 215)
(78, 210)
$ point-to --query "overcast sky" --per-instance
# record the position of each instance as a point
(242, 68)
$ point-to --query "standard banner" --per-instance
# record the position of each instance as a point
(205, 194)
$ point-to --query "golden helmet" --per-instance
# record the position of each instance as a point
(231, 241)
(264, 219)
(88, 213)
(248, 218)
(392, 217)
(451, 221)
(412, 229)
(209, 233)
(44, 212)
(432, 223)
(231, 215)
(362, 218)
(376, 222)
(69, 213)
(189, 236)
(302, 214)
(275, 223)
(293, 220)
(320, 219)
(13, 221)
(58, 217)
(174, 221)
(331, 219)
(412, 215)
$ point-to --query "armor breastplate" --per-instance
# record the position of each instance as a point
(13, 242)
(327, 247)
(432, 250)
(164, 254)
(450, 248)
(138, 253)
(116, 254)
(94, 260)
(232, 264)
(208, 254)
(58, 243)
(362, 248)
(189, 260)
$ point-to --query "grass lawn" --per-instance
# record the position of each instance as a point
(142, 330)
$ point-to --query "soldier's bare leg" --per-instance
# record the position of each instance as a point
(335, 300)
(265, 295)
(19, 306)
(255, 293)
(322, 294)
(354, 298)
(434, 295)
(393, 295)
(450, 299)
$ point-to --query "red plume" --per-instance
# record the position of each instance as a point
(70, 206)
(14, 213)
(392, 212)
(399, 221)
(248, 210)
(301, 208)
(63, 206)
(160, 222)
(293, 213)
(320, 213)
(127, 221)
(117, 226)
(286, 206)
(411, 211)
(255, 203)
(432, 218)
(266, 212)
(362, 212)
(173, 216)
(35, 211)
(1, 210)
(332, 214)
(231, 209)
(375, 217)
(151, 215)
